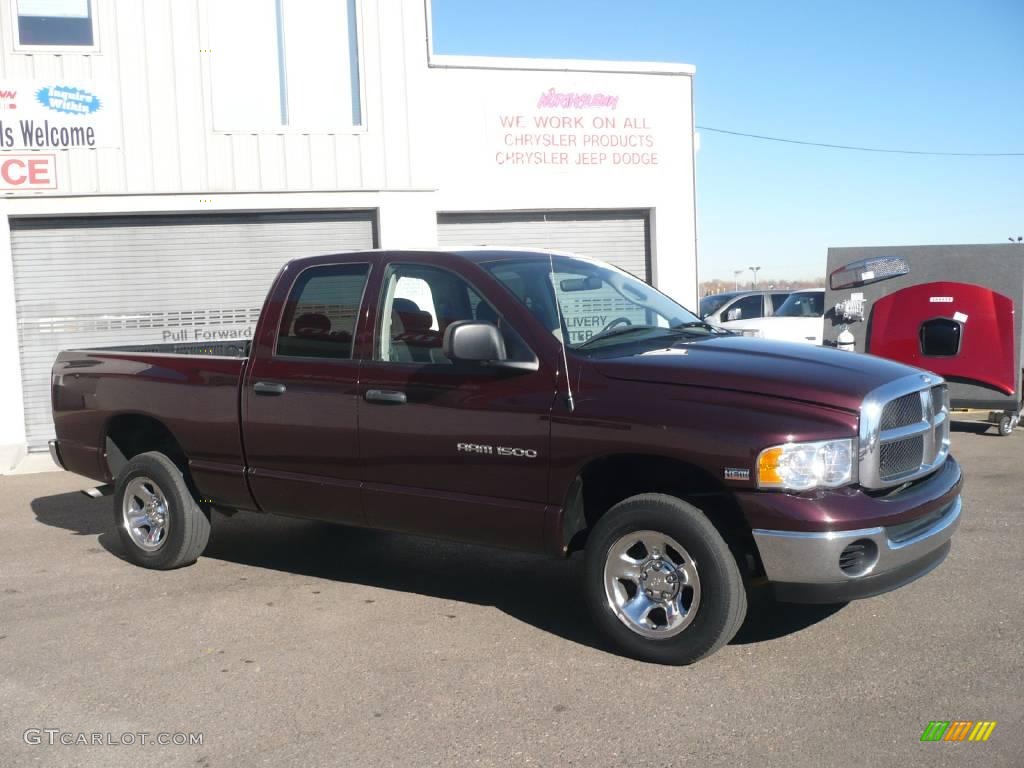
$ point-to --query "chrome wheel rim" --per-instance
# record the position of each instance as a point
(652, 584)
(145, 514)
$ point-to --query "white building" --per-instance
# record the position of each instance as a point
(160, 159)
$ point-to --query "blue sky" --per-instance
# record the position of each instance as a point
(909, 74)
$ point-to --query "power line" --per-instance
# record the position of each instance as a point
(859, 149)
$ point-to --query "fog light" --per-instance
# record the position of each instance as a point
(858, 558)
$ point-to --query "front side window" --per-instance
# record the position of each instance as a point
(319, 318)
(778, 299)
(589, 305)
(420, 303)
(803, 305)
(55, 23)
(747, 308)
(284, 64)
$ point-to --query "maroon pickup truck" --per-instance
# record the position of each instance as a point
(539, 402)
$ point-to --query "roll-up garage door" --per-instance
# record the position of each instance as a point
(93, 282)
(621, 238)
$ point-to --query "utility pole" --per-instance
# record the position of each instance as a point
(755, 270)
(737, 272)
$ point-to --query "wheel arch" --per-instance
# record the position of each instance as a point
(605, 481)
(128, 434)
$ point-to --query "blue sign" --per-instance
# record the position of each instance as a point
(70, 101)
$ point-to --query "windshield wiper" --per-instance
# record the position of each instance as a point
(702, 324)
(685, 329)
(619, 331)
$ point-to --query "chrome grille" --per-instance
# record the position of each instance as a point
(904, 431)
(940, 440)
(901, 411)
(901, 456)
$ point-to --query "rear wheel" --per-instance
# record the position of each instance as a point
(661, 582)
(1007, 423)
(159, 523)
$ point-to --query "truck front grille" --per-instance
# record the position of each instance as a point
(900, 457)
(901, 411)
(904, 431)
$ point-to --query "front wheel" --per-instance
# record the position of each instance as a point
(1007, 423)
(661, 582)
(158, 521)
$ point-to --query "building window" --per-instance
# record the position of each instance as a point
(284, 64)
(55, 23)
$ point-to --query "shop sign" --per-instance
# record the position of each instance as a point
(27, 171)
(57, 115)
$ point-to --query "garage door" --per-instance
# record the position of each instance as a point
(621, 238)
(93, 282)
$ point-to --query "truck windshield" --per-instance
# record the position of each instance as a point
(597, 303)
(711, 304)
(810, 304)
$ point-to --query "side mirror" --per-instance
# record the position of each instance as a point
(469, 341)
(734, 314)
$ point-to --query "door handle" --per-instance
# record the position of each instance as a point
(385, 396)
(268, 388)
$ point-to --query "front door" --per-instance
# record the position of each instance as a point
(300, 397)
(453, 449)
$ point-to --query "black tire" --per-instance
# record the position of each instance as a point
(1007, 424)
(722, 602)
(187, 529)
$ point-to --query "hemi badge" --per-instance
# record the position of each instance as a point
(735, 473)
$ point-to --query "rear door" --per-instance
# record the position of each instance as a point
(300, 395)
(452, 449)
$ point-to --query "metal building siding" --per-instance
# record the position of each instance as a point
(93, 282)
(151, 52)
(621, 238)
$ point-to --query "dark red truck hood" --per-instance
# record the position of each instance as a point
(774, 368)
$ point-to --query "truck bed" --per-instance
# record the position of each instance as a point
(192, 389)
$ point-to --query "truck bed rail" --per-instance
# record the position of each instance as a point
(239, 348)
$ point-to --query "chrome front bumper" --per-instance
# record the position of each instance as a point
(55, 454)
(805, 567)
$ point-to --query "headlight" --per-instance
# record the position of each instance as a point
(802, 466)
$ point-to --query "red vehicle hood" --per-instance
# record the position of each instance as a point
(777, 369)
(987, 354)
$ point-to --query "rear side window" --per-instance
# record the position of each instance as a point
(320, 316)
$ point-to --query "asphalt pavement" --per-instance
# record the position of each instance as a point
(294, 643)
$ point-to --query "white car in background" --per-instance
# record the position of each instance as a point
(800, 318)
(725, 308)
